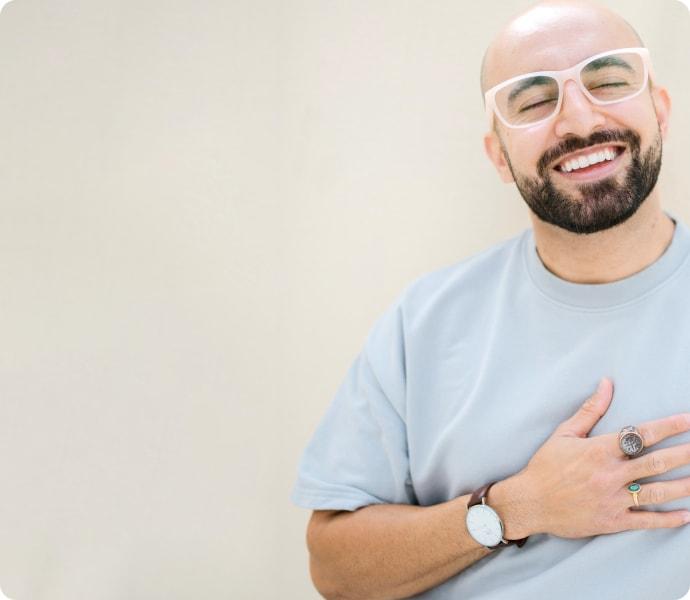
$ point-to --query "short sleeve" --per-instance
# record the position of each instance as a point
(358, 454)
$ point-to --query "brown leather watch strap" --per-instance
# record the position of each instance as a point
(476, 498)
(478, 494)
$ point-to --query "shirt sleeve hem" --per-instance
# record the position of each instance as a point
(332, 501)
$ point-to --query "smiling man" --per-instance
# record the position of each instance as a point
(476, 448)
(610, 106)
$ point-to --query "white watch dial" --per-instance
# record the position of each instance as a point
(484, 525)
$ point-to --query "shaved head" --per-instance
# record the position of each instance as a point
(556, 35)
(541, 26)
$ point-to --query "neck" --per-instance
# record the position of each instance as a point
(609, 255)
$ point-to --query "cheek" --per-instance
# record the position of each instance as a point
(526, 149)
(639, 117)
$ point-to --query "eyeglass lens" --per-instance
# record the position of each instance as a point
(610, 78)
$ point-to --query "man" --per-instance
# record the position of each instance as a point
(482, 372)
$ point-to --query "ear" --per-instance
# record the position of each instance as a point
(494, 150)
(662, 106)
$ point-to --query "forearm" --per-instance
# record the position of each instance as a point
(395, 551)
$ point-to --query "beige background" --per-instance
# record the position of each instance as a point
(204, 207)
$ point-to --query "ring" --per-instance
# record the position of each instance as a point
(630, 441)
(634, 488)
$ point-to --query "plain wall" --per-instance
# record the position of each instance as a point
(204, 207)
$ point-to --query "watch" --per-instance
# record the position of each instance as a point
(483, 522)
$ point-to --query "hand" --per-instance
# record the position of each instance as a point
(578, 483)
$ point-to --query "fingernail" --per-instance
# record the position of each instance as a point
(686, 518)
(601, 386)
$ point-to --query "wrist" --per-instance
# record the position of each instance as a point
(512, 499)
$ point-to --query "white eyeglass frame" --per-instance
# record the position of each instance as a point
(569, 74)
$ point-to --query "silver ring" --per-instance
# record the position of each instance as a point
(630, 441)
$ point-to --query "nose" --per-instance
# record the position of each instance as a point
(578, 116)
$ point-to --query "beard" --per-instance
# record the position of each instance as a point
(602, 204)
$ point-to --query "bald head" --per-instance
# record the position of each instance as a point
(532, 39)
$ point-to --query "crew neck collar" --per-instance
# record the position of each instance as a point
(607, 295)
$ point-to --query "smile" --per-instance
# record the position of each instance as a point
(591, 164)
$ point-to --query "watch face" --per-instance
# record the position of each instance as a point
(484, 525)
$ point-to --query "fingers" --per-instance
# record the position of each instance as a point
(657, 493)
(660, 492)
(647, 519)
(657, 462)
(655, 431)
(587, 416)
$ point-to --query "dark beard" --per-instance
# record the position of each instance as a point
(603, 204)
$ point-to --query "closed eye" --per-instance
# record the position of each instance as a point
(531, 106)
(613, 84)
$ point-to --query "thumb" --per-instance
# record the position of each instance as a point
(587, 416)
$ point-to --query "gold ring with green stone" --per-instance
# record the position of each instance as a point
(634, 488)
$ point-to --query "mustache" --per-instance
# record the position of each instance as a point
(573, 144)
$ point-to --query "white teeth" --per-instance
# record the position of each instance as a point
(590, 159)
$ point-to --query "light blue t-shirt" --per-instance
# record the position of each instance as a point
(467, 374)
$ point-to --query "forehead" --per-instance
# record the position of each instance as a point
(553, 40)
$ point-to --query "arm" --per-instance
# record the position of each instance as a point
(391, 551)
(573, 487)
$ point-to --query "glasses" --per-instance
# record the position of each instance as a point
(606, 78)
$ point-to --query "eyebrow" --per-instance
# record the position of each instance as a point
(607, 61)
(528, 83)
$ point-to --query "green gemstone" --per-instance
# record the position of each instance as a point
(634, 487)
